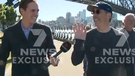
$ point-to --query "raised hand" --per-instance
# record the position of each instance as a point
(79, 31)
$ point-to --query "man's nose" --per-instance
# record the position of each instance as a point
(36, 13)
(94, 15)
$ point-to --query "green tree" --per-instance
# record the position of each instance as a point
(8, 15)
(19, 17)
(2, 13)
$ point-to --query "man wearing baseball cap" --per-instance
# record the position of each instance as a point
(100, 44)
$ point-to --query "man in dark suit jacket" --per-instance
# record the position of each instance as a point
(128, 30)
(30, 43)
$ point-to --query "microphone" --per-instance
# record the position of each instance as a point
(64, 48)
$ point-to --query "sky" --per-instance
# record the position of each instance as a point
(52, 9)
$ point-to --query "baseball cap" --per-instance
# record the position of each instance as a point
(101, 5)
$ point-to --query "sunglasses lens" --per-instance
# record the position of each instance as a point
(97, 12)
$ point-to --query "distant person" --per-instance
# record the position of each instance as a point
(88, 27)
(95, 42)
(53, 35)
(53, 32)
(30, 37)
(129, 23)
(128, 30)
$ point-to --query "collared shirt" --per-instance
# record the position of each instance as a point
(26, 31)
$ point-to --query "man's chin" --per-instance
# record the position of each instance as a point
(96, 24)
(33, 22)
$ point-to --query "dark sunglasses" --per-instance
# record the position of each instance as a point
(97, 12)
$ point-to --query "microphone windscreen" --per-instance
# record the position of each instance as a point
(65, 46)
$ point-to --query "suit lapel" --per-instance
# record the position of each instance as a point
(32, 38)
(20, 33)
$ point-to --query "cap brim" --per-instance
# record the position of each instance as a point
(90, 7)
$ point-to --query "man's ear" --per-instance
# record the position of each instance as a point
(22, 11)
(124, 20)
(109, 15)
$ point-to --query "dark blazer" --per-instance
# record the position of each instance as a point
(130, 38)
(14, 40)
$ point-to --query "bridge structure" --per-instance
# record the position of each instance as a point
(120, 6)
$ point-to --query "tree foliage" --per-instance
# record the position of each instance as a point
(8, 15)
(2, 13)
(19, 17)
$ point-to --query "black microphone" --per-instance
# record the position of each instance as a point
(64, 48)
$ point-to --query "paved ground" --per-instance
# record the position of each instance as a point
(65, 67)
(8, 70)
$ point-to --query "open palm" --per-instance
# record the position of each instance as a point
(79, 31)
